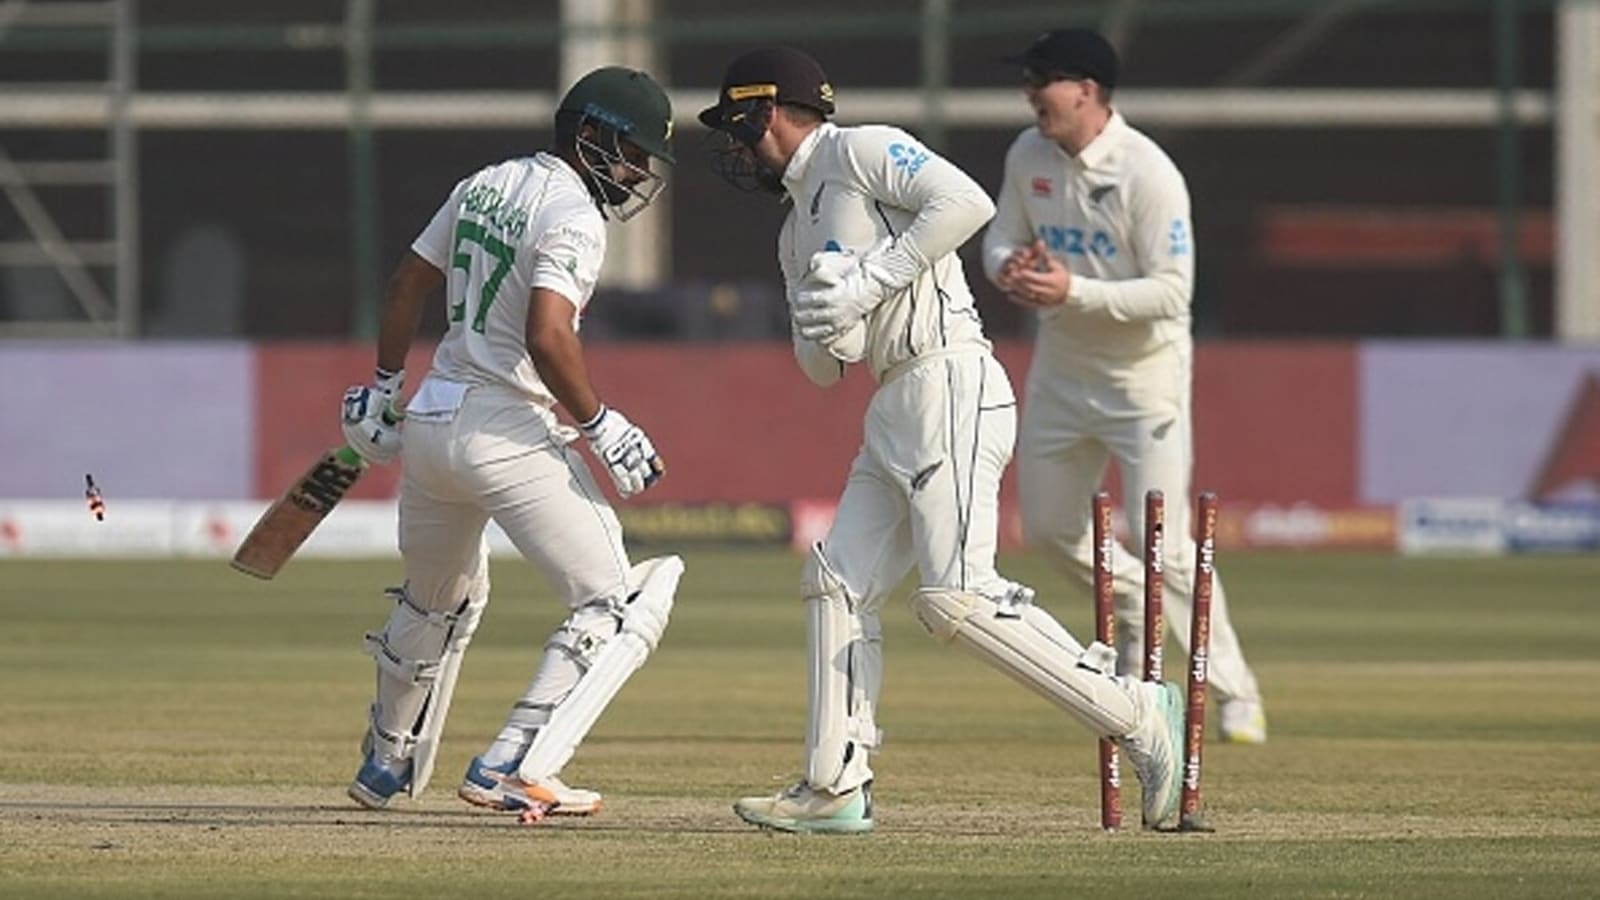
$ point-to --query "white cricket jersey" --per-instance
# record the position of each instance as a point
(1117, 215)
(514, 226)
(854, 187)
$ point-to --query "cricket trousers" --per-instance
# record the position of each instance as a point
(1079, 415)
(499, 456)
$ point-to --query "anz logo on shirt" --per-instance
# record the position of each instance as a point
(1077, 242)
(1178, 238)
(908, 158)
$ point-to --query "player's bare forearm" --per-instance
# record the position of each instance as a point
(557, 354)
(409, 286)
(558, 358)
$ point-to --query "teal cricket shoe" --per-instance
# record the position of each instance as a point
(802, 809)
(1155, 747)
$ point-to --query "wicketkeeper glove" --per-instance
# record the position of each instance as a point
(370, 420)
(840, 287)
(625, 450)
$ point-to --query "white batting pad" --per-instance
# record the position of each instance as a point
(411, 652)
(1020, 649)
(444, 686)
(412, 642)
(644, 619)
(845, 654)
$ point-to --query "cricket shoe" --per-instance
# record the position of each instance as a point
(377, 782)
(804, 809)
(1155, 747)
(1242, 722)
(499, 787)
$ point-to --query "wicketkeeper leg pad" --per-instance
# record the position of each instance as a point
(1014, 643)
(643, 618)
(1016, 602)
(845, 653)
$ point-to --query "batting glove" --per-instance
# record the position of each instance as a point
(625, 450)
(371, 421)
(838, 290)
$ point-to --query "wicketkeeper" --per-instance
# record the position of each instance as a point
(868, 253)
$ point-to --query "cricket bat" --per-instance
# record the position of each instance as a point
(291, 518)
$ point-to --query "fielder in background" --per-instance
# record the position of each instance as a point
(868, 254)
(1092, 230)
(519, 246)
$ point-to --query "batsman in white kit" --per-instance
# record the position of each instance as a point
(868, 253)
(1092, 230)
(518, 246)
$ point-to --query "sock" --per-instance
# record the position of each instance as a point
(510, 746)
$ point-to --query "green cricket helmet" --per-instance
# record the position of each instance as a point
(608, 109)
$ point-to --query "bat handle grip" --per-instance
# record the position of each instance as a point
(392, 415)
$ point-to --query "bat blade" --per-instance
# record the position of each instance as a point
(291, 518)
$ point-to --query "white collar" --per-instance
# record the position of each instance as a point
(795, 172)
(562, 167)
(1105, 143)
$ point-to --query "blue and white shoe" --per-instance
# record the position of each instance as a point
(376, 784)
(803, 809)
(499, 787)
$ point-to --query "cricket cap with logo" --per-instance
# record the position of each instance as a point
(1073, 52)
(777, 74)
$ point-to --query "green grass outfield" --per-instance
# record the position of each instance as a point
(177, 729)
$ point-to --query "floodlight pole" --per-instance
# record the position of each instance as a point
(1508, 175)
(359, 16)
